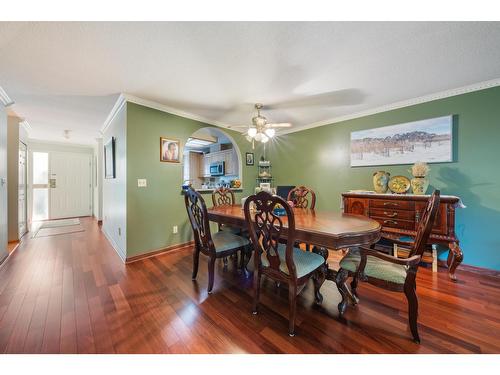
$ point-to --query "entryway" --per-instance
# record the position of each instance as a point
(62, 185)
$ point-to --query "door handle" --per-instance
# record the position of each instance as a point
(390, 204)
(394, 222)
(52, 183)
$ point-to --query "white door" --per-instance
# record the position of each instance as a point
(70, 184)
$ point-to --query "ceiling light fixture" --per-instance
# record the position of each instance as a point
(262, 131)
(200, 142)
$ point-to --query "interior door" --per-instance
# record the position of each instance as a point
(70, 184)
(22, 214)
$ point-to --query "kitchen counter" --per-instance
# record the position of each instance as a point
(209, 191)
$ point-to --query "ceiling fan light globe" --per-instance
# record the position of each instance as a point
(264, 138)
(252, 132)
(258, 137)
(270, 132)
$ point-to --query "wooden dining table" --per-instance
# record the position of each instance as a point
(322, 229)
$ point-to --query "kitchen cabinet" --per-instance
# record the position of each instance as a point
(229, 158)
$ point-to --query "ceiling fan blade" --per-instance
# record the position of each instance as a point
(238, 126)
(280, 125)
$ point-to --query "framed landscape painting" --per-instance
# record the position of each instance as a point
(427, 141)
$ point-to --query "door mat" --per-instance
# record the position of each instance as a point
(58, 227)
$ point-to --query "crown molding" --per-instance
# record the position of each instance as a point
(26, 125)
(4, 98)
(397, 105)
(173, 111)
(124, 98)
(120, 102)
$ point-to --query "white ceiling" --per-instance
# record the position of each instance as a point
(68, 75)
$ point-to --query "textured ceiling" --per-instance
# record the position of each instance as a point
(68, 75)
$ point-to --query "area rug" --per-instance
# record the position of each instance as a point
(58, 227)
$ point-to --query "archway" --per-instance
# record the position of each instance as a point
(212, 159)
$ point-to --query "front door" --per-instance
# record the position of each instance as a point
(70, 184)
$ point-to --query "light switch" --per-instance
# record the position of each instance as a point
(142, 182)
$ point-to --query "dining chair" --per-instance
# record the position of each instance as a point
(282, 262)
(389, 272)
(222, 244)
(302, 197)
(224, 196)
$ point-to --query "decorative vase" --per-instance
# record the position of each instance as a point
(380, 181)
(419, 185)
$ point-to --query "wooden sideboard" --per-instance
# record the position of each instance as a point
(400, 214)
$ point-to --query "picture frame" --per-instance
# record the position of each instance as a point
(109, 159)
(428, 140)
(250, 158)
(170, 150)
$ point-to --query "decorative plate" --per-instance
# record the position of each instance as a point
(399, 184)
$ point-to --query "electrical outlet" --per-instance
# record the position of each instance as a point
(142, 182)
(175, 229)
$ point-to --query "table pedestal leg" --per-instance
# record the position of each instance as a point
(455, 257)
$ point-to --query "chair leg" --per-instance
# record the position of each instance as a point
(242, 259)
(308, 247)
(292, 299)
(340, 280)
(256, 290)
(411, 296)
(211, 274)
(224, 261)
(196, 260)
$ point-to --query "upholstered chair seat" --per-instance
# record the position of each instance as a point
(225, 240)
(375, 268)
(305, 261)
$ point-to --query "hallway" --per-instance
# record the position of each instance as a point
(73, 294)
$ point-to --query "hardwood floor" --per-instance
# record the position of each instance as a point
(72, 294)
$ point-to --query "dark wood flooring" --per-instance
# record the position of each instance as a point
(72, 294)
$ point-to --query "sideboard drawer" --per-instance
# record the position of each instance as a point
(390, 213)
(393, 223)
(394, 204)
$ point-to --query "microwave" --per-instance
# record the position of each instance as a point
(217, 169)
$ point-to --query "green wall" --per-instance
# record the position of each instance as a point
(153, 211)
(319, 158)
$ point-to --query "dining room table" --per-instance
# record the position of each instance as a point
(322, 229)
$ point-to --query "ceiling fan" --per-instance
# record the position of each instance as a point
(261, 130)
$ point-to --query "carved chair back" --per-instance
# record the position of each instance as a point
(198, 217)
(266, 228)
(302, 197)
(425, 224)
(222, 196)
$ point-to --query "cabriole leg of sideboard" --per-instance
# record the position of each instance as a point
(455, 257)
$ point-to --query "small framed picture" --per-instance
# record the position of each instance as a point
(170, 150)
(249, 158)
(109, 159)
